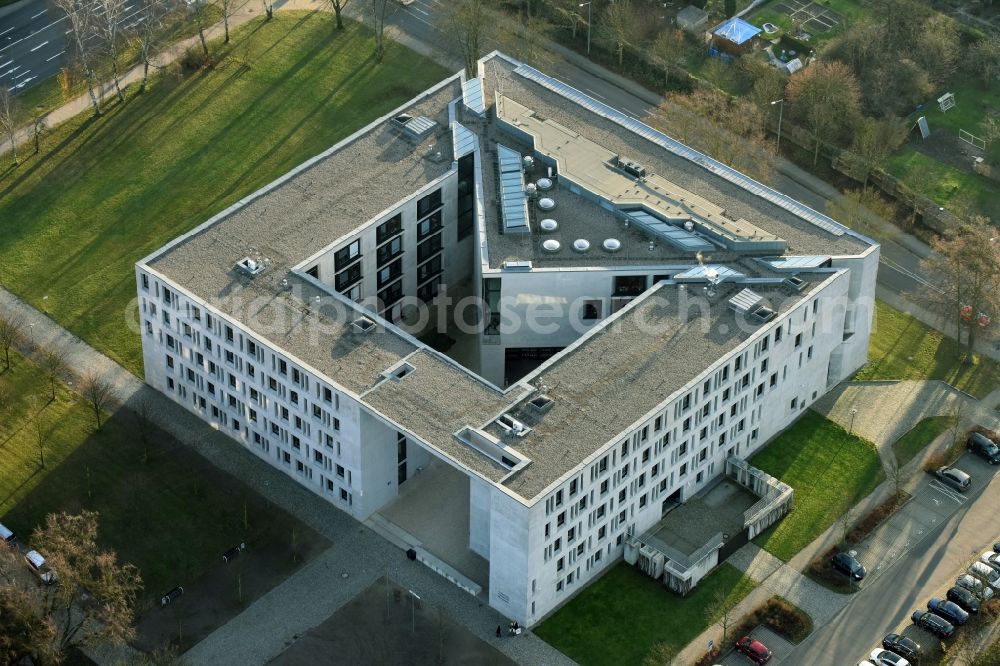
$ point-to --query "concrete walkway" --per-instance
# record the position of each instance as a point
(357, 558)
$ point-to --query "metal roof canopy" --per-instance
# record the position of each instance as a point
(676, 236)
(472, 96)
(745, 301)
(513, 202)
(463, 139)
(793, 264)
(701, 272)
(737, 31)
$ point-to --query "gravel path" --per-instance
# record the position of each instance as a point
(286, 612)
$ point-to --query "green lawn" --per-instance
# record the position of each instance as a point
(850, 10)
(973, 104)
(945, 184)
(107, 192)
(919, 436)
(830, 472)
(903, 348)
(152, 500)
(619, 618)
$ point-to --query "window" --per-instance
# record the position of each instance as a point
(391, 227)
(348, 277)
(428, 226)
(429, 203)
(429, 248)
(591, 310)
(389, 251)
(777, 334)
(428, 290)
(798, 340)
(429, 269)
(347, 255)
(390, 273)
(465, 210)
(629, 285)
(145, 281)
(392, 294)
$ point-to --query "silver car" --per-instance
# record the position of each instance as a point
(954, 478)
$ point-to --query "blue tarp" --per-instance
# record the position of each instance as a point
(737, 31)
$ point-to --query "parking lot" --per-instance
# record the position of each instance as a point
(932, 505)
(779, 647)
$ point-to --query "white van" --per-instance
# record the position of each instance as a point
(38, 567)
(7, 536)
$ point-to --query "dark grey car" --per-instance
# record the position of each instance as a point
(983, 447)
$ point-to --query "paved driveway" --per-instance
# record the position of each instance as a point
(780, 648)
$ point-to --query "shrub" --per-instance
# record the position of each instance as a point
(821, 571)
(865, 526)
(780, 616)
(992, 435)
(194, 59)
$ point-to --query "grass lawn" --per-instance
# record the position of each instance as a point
(903, 348)
(619, 618)
(973, 104)
(945, 184)
(106, 192)
(850, 10)
(154, 513)
(919, 436)
(830, 472)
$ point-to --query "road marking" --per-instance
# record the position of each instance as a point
(21, 74)
(55, 56)
(6, 63)
(6, 31)
(594, 92)
(40, 46)
(39, 13)
(947, 492)
(417, 9)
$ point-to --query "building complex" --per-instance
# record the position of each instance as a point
(584, 319)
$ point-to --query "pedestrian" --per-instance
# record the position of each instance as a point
(498, 631)
(510, 629)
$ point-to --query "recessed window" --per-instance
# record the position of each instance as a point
(592, 310)
(428, 204)
(348, 277)
(629, 285)
(390, 273)
(389, 251)
(391, 227)
(347, 255)
(429, 225)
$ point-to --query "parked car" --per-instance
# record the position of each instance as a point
(902, 645)
(984, 447)
(949, 610)
(881, 657)
(986, 573)
(753, 650)
(996, 547)
(38, 567)
(964, 598)
(7, 536)
(989, 558)
(975, 586)
(849, 566)
(933, 623)
(954, 477)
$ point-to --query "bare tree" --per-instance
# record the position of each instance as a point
(856, 207)
(720, 610)
(40, 434)
(570, 12)
(98, 392)
(6, 397)
(228, 8)
(619, 27)
(963, 274)
(662, 654)
(379, 11)
(466, 22)
(8, 118)
(11, 334)
(82, 19)
(70, 545)
(52, 363)
(143, 413)
(894, 471)
(268, 9)
(338, 8)
(28, 635)
(984, 57)
(874, 141)
(108, 25)
(198, 15)
(39, 125)
(147, 35)
(669, 52)
(826, 98)
(845, 522)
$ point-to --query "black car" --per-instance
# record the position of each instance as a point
(983, 447)
(933, 623)
(949, 610)
(848, 566)
(963, 598)
(902, 646)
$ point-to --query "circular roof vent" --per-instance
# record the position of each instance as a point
(689, 225)
(548, 225)
(544, 184)
(531, 189)
(581, 245)
(551, 246)
(529, 162)
(546, 203)
(611, 245)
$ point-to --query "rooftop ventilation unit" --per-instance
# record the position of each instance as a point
(611, 245)
(581, 245)
(631, 167)
(363, 324)
(548, 225)
(551, 246)
(414, 128)
(250, 266)
(512, 426)
(546, 203)
(541, 404)
(398, 372)
(516, 266)
(752, 305)
(544, 184)
(529, 162)
(795, 282)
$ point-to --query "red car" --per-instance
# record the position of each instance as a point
(753, 650)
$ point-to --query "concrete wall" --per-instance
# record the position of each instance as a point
(377, 464)
(480, 507)
(509, 553)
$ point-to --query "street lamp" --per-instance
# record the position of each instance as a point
(413, 611)
(854, 413)
(588, 5)
(781, 110)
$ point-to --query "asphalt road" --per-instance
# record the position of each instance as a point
(900, 268)
(34, 43)
(927, 569)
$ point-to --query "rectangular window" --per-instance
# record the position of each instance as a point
(428, 248)
(347, 255)
(592, 310)
(428, 226)
(429, 269)
(390, 273)
(348, 277)
(391, 227)
(145, 281)
(428, 290)
(390, 295)
(428, 204)
(389, 251)
(629, 285)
